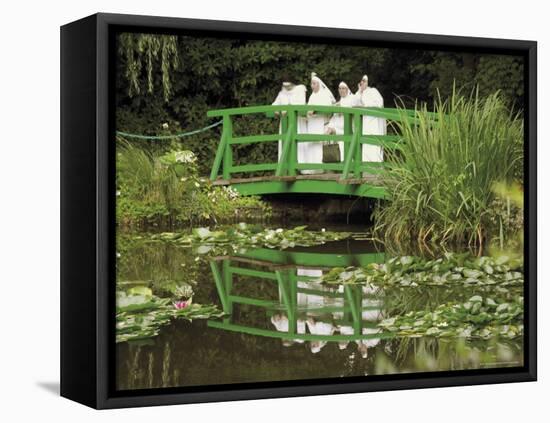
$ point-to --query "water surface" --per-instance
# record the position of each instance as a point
(281, 324)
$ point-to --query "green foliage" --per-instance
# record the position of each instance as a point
(176, 80)
(142, 53)
(490, 73)
(452, 270)
(506, 215)
(140, 314)
(441, 180)
(477, 318)
(422, 296)
(244, 236)
(166, 190)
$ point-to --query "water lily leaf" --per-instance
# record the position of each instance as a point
(204, 249)
(472, 273)
(202, 233)
(140, 290)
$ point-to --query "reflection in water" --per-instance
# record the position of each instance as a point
(306, 311)
(280, 323)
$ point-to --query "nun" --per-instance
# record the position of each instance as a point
(312, 152)
(291, 94)
(370, 97)
(336, 123)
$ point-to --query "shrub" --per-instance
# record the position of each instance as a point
(167, 190)
(441, 181)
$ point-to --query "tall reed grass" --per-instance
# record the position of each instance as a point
(441, 180)
(146, 178)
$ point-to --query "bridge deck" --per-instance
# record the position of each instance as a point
(367, 179)
(331, 183)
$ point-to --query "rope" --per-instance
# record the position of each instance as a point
(168, 137)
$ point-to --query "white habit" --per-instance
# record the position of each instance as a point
(336, 122)
(371, 97)
(312, 152)
(297, 96)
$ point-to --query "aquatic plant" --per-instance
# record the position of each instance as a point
(250, 236)
(140, 314)
(441, 180)
(477, 318)
(451, 270)
(180, 305)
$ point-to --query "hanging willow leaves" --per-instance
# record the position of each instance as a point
(143, 53)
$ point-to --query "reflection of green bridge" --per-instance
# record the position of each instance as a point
(280, 267)
(345, 178)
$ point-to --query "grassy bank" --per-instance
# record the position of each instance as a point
(446, 182)
(166, 190)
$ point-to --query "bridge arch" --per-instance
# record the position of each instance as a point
(351, 176)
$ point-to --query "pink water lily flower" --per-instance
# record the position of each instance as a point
(180, 305)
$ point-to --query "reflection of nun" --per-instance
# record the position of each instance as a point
(319, 328)
(308, 302)
(292, 94)
(371, 97)
(281, 323)
(371, 312)
(336, 123)
(373, 315)
(312, 152)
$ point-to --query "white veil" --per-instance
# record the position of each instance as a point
(343, 84)
(323, 89)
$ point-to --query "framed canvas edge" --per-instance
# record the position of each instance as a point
(105, 225)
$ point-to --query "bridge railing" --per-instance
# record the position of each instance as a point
(287, 164)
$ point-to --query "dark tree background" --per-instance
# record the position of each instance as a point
(166, 84)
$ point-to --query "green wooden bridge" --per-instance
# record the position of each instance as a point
(281, 268)
(351, 176)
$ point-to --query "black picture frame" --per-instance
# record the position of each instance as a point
(87, 212)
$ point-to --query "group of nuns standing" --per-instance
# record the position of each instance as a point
(320, 123)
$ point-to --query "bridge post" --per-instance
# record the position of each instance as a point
(284, 164)
(283, 281)
(355, 145)
(221, 287)
(293, 153)
(284, 126)
(228, 283)
(227, 154)
(219, 155)
(358, 153)
(347, 132)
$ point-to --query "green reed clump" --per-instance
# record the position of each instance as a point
(441, 180)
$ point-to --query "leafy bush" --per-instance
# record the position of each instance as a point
(167, 190)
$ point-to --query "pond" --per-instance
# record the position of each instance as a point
(209, 309)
